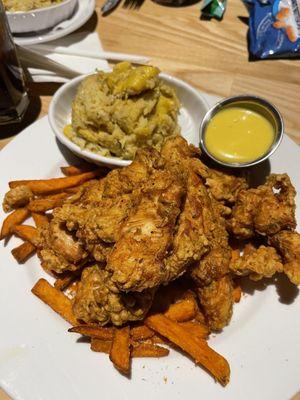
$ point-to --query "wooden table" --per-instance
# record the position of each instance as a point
(210, 55)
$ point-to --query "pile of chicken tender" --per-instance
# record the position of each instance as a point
(168, 216)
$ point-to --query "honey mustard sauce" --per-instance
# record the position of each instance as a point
(237, 135)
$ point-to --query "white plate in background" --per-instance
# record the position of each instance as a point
(40, 360)
(41, 18)
(84, 10)
(192, 110)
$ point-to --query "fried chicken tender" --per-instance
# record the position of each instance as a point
(265, 210)
(201, 229)
(190, 242)
(215, 263)
(93, 217)
(17, 197)
(216, 300)
(98, 301)
(259, 263)
(223, 187)
(137, 259)
(99, 220)
(59, 250)
(125, 180)
(202, 216)
(287, 244)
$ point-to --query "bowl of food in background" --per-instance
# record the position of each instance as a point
(35, 15)
(106, 117)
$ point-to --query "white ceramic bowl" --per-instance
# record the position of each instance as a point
(192, 111)
(41, 18)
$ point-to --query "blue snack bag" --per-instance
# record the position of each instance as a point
(274, 28)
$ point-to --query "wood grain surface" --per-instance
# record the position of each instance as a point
(210, 55)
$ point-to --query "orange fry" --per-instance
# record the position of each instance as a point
(237, 294)
(47, 203)
(23, 252)
(96, 332)
(101, 346)
(196, 348)
(15, 218)
(183, 310)
(47, 186)
(27, 233)
(40, 219)
(141, 332)
(72, 170)
(55, 299)
(120, 350)
(196, 329)
(148, 350)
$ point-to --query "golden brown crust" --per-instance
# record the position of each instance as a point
(288, 245)
(216, 300)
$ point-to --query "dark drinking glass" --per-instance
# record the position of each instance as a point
(13, 94)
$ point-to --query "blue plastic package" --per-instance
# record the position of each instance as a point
(274, 28)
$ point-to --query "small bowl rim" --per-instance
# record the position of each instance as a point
(234, 99)
(39, 10)
(113, 161)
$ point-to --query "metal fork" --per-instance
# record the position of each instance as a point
(133, 4)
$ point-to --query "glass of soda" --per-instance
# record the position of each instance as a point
(13, 93)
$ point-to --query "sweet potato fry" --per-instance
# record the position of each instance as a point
(120, 350)
(96, 332)
(15, 218)
(27, 233)
(237, 294)
(148, 350)
(40, 219)
(47, 203)
(183, 310)
(55, 299)
(101, 346)
(23, 252)
(196, 329)
(139, 350)
(141, 332)
(47, 186)
(72, 170)
(196, 348)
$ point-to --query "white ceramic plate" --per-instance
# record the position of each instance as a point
(39, 360)
(41, 18)
(82, 13)
(192, 111)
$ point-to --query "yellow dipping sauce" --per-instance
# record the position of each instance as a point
(238, 135)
